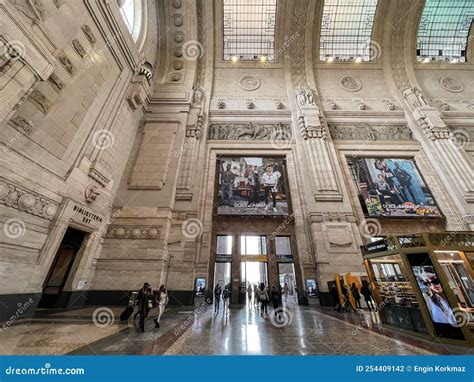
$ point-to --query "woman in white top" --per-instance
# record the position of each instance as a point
(162, 300)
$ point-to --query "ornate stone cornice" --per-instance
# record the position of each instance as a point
(134, 232)
(18, 197)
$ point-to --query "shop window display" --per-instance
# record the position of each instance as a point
(394, 294)
(460, 282)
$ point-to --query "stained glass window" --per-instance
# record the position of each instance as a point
(346, 30)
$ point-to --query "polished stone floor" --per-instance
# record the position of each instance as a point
(297, 331)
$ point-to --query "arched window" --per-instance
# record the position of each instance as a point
(131, 11)
(444, 29)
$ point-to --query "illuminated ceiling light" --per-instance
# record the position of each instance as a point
(234, 59)
(263, 59)
(358, 59)
(427, 59)
(330, 59)
(454, 60)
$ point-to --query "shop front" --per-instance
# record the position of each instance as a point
(424, 283)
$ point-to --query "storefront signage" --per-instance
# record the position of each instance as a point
(285, 258)
(377, 246)
(223, 258)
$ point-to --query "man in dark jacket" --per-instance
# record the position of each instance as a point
(275, 296)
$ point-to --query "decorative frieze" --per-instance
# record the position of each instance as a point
(371, 133)
(134, 232)
(18, 197)
(89, 34)
(249, 131)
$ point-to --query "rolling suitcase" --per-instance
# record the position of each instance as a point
(126, 313)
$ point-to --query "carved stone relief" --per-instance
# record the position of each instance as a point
(250, 103)
(18, 197)
(221, 103)
(305, 96)
(179, 37)
(451, 84)
(91, 193)
(89, 34)
(56, 82)
(78, 48)
(178, 20)
(21, 124)
(147, 232)
(198, 94)
(66, 63)
(58, 3)
(33, 9)
(249, 131)
(249, 82)
(350, 83)
(371, 133)
(279, 104)
(40, 101)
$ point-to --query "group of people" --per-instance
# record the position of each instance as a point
(225, 295)
(145, 301)
(257, 177)
(385, 186)
(260, 296)
(356, 294)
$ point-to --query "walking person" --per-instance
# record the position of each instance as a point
(145, 303)
(347, 302)
(263, 298)
(365, 291)
(285, 291)
(226, 299)
(255, 296)
(275, 296)
(217, 298)
(162, 301)
(249, 295)
(356, 295)
(138, 298)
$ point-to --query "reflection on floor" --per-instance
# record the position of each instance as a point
(298, 330)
